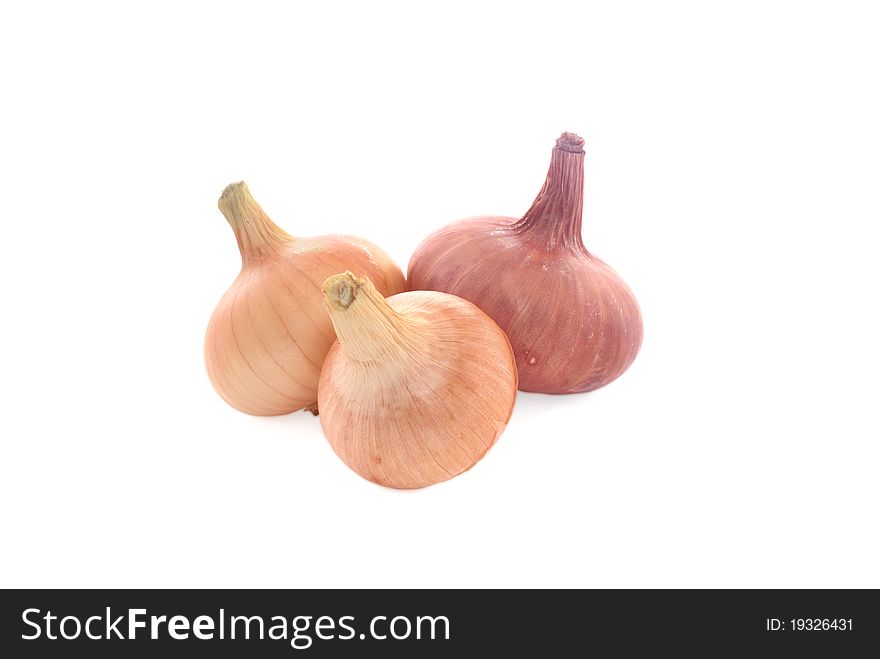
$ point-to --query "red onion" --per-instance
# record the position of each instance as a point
(573, 323)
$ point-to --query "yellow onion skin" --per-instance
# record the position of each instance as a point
(267, 338)
(417, 388)
(573, 323)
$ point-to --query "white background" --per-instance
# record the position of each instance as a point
(733, 160)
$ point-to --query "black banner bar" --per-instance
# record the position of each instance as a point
(436, 623)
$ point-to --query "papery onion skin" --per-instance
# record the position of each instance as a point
(574, 324)
(268, 337)
(417, 388)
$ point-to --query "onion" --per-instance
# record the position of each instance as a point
(573, 323)
(418, 386)
(268, 336)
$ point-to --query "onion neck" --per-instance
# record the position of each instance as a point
(257, 235)
(554, 220)
(367, 327)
